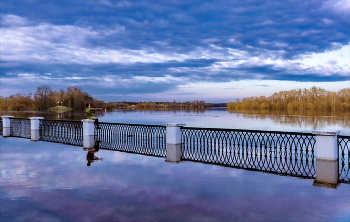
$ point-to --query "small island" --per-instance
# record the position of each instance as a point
(60, 109)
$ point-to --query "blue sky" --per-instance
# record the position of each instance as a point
(157, 50)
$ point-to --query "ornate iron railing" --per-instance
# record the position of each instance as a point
(344, 158)
(62, 131)
(143, 139)
(1, 126)
(20, 127)
(285, 153)
(270, 151)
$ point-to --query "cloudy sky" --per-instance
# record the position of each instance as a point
(159, 50)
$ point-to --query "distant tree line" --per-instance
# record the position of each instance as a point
(196, 104)
(75, 98)
(315, 98)
(45, 97)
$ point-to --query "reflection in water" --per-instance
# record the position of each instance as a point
(315, 121)
(215, 118)
(90, 156)
(43, 181)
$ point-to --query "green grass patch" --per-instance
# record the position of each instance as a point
(60, 109)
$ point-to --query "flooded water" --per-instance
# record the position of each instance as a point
(43, 181)
(214, 118)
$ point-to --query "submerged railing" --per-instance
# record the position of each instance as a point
(275, 152)
(285, 153)
(61, 131)
(143, 139)
(1, 126)
(20, 127)
(344, 157)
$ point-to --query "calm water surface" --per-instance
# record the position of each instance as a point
(43, 181)
(214, 118)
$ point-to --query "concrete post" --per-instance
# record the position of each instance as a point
(6, 125)
(88, 133)
(173, 142)
(34, 128)
(327, 155)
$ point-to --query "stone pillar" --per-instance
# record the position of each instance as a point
(6, 125)
(327, 155)
(34, 128)
(88, 133)
(173, 142)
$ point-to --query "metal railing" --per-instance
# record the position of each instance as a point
(62, 131)
(270, 151)
(20, 127)
(344, 157)
(285, 153)
(143, 139)
(1, 126)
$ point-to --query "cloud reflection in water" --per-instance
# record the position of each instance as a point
(49, 181)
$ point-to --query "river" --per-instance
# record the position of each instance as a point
(212, 118)
(43, 181)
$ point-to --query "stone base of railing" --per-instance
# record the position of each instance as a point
(326, 185)
(6, 131)
(327, 173)
(173, 153)
(169, 161)
(35, 135)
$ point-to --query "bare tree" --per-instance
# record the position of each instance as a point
(42, 97)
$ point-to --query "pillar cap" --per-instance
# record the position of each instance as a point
(326, 132)
(36, 117)
(6, 117)
(175, 124)
(88, 120)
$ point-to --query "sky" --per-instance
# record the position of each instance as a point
(181, 50)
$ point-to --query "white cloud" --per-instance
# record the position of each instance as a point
(229, 91)
(13, 20)
(339, 6)
(337, 60)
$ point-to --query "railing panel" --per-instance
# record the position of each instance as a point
(143, 139)
(62, 131)
(20, 127)
(1, 126)
(276, 152)
(344, 158)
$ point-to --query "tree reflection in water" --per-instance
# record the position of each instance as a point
(299, 119)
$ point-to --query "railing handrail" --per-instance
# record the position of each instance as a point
(198, 128)
(131, 124)
(246, 130)
(344, 136)
(60, 120)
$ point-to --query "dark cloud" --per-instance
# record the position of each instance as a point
(193, 40)
(294, 26)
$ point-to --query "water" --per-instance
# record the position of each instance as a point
(214, 118)
(43, 181)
